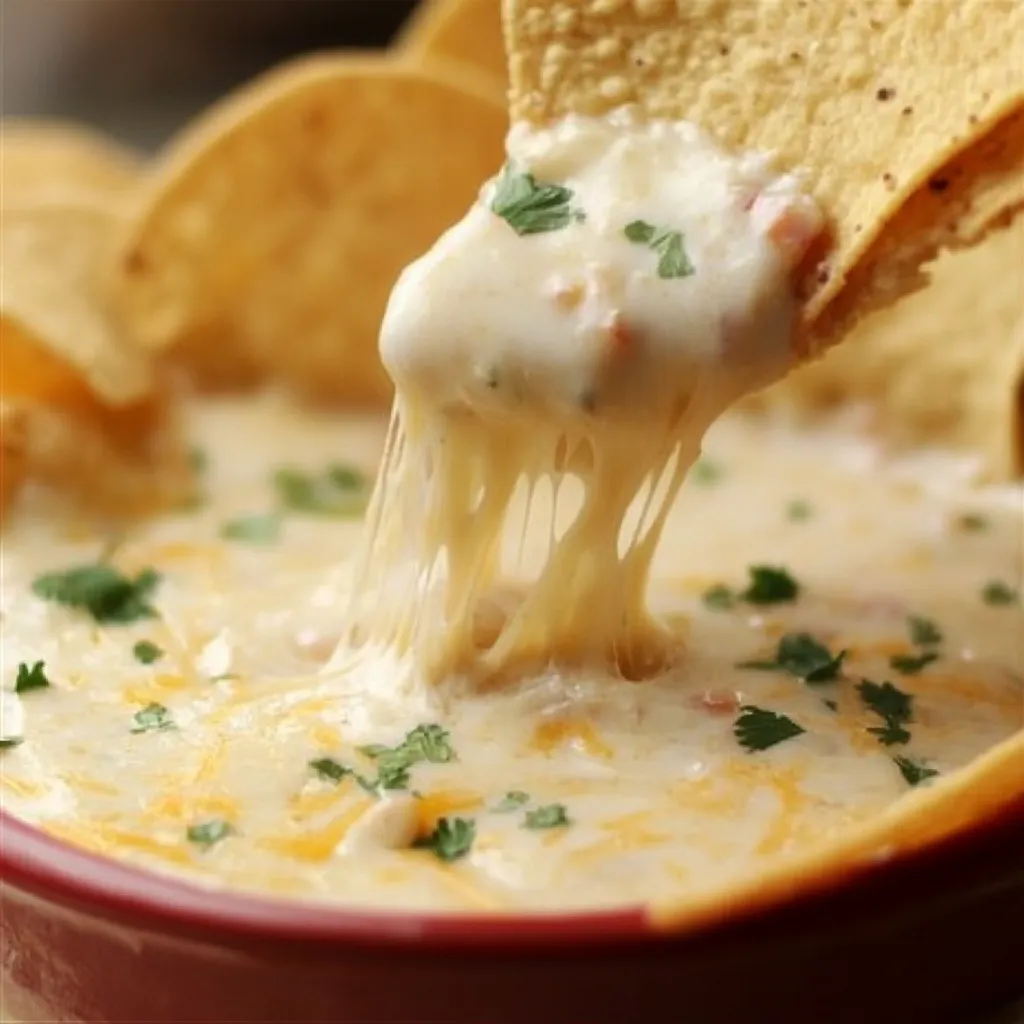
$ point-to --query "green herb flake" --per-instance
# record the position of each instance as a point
(996, 592)
(802, 656)
(31, 677)
(912, 664)
(913, 771)
(424, 743)
(831, 705)
(152, 718)
(706, 472)
(770, 585)
(719, 598)
(894, 706)
(923, 632)
(673, 260)
(799, 511)
(451, 839)
(102, 591)
(758, 729)
(531, 207)
(209, 833)
(329, 770)
(511, 801)
(11, 741)
(146, 652)
(255, 529)
(339, 491)
(198, 460)
(548, 816)
(972, 522)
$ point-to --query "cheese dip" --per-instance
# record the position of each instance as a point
(851, 625)
(614, 289)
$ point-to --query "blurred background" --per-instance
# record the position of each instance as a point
(141, 68)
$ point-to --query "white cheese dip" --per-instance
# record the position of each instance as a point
(616, 288)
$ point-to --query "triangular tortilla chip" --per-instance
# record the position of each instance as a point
(55, 160)
(943, 367)
(467, 31)
(906, 118)
(276, 226)
(78, 404)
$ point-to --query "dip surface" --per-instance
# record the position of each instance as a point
(209, 740)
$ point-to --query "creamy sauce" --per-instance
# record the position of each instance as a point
(618, 286)
(660, 797)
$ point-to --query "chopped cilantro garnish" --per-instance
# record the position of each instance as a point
(531, 207)
(972, 522)
(209, 833)
(424, 743)
(923, 632)
(999, 593)
(31, 677)
(798, 510)
(704, 471)
(831, 705)
(197, 460)
(329, 770)
(338, 491)
(803, 656)
(669, 245)
(147, 652)
(758, 729)
(152, 718)
(254, 529)
(913, 771)
(893, 706)
(511, 801)
(770, 585)
(911, 664)
(719, 597)
(11, 741)
(100, 590)
(548, 816)
(451, 839)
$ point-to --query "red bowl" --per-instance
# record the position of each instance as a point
(923, 938)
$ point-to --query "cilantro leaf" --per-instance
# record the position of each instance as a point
(147, 652)
(923, 632)
(254, 529)
(424, 743)
(451, 839)
(531, 207)
(972, 522)
(893, 706)
(913, 771)
(911, 664)
(329, 770)
(100, 590)
(996, 592)
(802, 656)
(338, 491)
(548, 816)
(770, 585)
(152, 718)
(669, 245)
(719, 598)
(706, 472)
(31, 677)
(511, 801)
(798, 511)
(758, 729)
(209, 833)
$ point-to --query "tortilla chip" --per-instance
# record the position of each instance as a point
(942, 367)
(905, 118)
(276, 226)
(467, 31)
(56, 332)
(55, 160)
(77, 404)
(115, 463)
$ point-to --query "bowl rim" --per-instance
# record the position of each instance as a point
(53, 870)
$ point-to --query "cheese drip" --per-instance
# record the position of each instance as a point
(611, 293)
